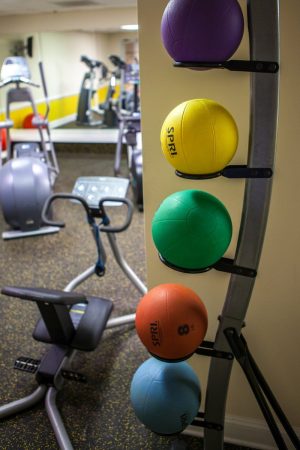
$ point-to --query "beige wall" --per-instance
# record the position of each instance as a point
(60, 51)
(115, 42)
(273, 319)
(61, 38)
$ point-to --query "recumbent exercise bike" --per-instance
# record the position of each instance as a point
(71, 321)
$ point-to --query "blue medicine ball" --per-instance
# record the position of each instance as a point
(165, 396)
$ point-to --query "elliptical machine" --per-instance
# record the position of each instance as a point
(96, 114)
(129, 117)
(130, 131)
(129, 75)
(28, 175)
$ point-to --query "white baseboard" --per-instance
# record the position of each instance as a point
(62, 121)
(246, 432)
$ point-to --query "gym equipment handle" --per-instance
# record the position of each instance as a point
(105, 226)
(127, 222)
(18, 80)
(41, 295)
(91, 63)
(53, 197)
(117, 61)
(42, 74)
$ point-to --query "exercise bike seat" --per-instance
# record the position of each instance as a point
(68, 318)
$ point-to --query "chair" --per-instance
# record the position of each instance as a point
(70, 321)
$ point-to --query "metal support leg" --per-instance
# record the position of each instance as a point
(80, 279)
(261, 390)
(130, 274)
(119, 146)
(123, 320)
(56, 420)
(23, 403)
(272, 400)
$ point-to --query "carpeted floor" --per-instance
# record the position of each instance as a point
(98, 414)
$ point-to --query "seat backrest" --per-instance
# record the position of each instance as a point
(89, 321)
(68, 318)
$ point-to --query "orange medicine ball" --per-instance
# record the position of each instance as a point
(171, 321)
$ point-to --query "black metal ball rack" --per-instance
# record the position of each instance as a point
(229, 343)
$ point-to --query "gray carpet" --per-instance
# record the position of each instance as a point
(98, 414)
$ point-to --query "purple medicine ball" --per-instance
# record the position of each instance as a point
(202, 30)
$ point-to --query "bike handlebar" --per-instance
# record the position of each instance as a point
(18, 80)
(128, 219)
(91, 63)
(90, 212)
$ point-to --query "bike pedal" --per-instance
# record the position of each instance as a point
(74, 376)
(26, 364)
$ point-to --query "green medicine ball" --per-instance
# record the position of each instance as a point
(191, 229)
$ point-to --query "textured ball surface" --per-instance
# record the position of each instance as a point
(171, 321)
(199, 137)
(202, 30)
(191, 229)
(165, 396)
(3, 138)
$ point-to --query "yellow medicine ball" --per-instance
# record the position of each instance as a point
(199, 137)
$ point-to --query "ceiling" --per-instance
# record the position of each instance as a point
(20, 7)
